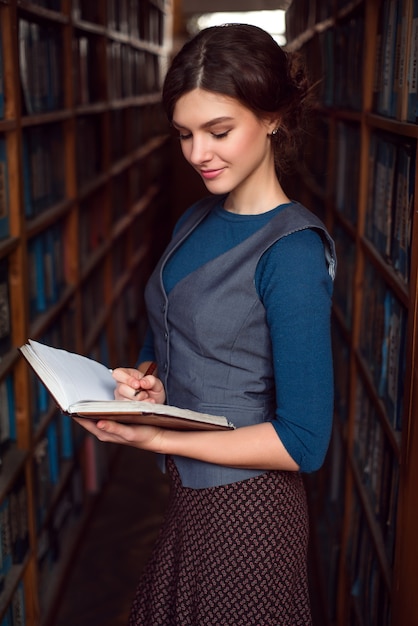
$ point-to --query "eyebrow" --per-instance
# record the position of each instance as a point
(209, 124)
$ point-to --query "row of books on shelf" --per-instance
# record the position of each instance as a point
(370, 594)
(142, 226)
(128, 322)
(55, 536)
(390, 200)
(100, 350)
(141, 20)
(40, 65)
(331, 51)
(343, 285)
(87, 76)
(383, 342)
(147, 122)
(348, 44)
(46, 261)
(4, 190)
(53, 5)
(341, 370)
(1, 79)
(329, 57)
(329, 528)
(303, 15)
(89, 148)
(396, 80)
(92, 225)
(127, 187)
(43, 168)
(149, 23)
(391, 189)
(7, 415)
(15, 614)
(93, 298)
(347, 170)
(44, 156)
(46, 175)
(51, 452)
(5, 316)
(132, 71)
(14, 529)
(132, 127)
(87, 477)
(377, 465)
(121, 252)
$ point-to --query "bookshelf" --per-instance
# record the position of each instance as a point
(359, 174)
(83, 168)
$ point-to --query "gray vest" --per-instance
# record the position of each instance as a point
(211, 338)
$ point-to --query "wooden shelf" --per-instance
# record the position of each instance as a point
(366, 190)
(81, 170)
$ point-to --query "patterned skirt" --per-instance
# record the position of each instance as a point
(234, 555)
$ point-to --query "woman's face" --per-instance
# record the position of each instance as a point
(224, 141)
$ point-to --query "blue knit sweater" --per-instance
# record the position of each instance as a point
(295, 288)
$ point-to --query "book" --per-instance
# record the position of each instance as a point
(4, 190)
(1, 79)
(5, 314)
(388, 55)
(83, 387)
(412, 69)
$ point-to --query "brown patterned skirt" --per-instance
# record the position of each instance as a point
(233, 555)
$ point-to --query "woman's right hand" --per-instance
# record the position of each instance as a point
(132, 384)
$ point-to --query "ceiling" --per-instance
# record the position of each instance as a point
(193, 7)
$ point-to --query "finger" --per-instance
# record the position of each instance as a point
(115, 431)
(126, 392)
(141, 394)
(147, 382)
(126, 375)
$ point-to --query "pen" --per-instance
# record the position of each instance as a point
(150, 369)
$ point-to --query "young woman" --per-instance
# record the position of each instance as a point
(239, 312)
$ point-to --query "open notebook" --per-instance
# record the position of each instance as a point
(83, 387)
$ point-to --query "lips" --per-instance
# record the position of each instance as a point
(210, 174)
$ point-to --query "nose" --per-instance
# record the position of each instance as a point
(200, 151)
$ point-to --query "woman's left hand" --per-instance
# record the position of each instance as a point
(144, 437)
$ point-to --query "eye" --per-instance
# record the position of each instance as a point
(184, 136)
(221, 135)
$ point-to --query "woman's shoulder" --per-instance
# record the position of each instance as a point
(301, 245)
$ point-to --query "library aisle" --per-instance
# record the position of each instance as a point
(116, 544)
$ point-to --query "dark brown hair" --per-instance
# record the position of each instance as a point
(245, 63)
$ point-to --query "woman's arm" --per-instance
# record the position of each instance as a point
(255, 447)
(295, 287)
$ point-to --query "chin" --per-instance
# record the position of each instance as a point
(217, 187)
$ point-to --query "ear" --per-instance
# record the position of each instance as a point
(272, 125)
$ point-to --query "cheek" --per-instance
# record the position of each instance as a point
(250, 143)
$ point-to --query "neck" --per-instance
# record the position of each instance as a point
(254, 204)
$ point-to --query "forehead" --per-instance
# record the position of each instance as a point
(198, 107)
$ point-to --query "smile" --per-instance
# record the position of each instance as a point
(210, 174)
